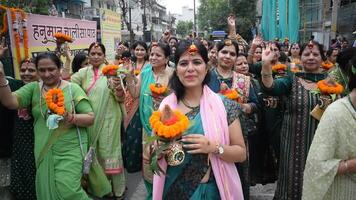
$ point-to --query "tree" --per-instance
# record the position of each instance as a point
(184, 27)
(31, 6)
(212, 15)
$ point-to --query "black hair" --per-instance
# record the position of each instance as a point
(51, 56)
(97, 44)
(126, 54)
(173, 38)
(182, 48)
(290, 48)
(27, 60)
(242, 54)
(126, 44)
(212, 45)
(277, 45)
(78, 60)
(165, 47)
(352, 73)
(347, 60)
(139, 43)
(283, 58)
(330, 51)
(320, 47)
(220, 45)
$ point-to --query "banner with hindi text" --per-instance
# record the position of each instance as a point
(41, 28)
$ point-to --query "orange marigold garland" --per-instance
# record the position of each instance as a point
(230, 94)
(16, 35)
(158, 89)
(110, 70)
(137, 72)
(4, 21)
(16, 27)
(279, 68)
(61, 37)
(55, 101)
(168, 126)
(327, 65)
(328, 86)
(328, 90)
(25, 33)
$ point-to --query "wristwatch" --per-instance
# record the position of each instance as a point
(219, 149)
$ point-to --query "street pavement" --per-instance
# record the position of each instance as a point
(137, 191)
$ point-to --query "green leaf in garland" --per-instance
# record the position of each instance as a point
(315, 91)
(154, 166)
(333, 97)
(353, 69)
(151, 139)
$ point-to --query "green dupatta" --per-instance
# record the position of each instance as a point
(146, 102)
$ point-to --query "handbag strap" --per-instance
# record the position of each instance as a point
(74, 112)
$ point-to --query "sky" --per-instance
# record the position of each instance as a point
(175, 6)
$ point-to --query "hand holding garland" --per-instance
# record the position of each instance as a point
(66, 72)
(117, 89)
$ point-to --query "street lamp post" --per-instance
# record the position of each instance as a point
(195, 25)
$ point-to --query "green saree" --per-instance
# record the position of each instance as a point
(57, 152)
(107, 167)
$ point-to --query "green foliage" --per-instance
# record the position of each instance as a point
(184, 27)
(212, 15)
(31, 6)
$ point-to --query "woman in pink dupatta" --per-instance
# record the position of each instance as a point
(213, 142)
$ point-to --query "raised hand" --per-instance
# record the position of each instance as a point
(231, 20)
(257, 41)
(268, 54)
(3, 47)
(66, 51)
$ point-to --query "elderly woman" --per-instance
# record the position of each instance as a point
(56, 150)
(213, 142)
(106, 176)
(298, 126)
(330, 171)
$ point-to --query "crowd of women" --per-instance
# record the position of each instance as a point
(280, 124)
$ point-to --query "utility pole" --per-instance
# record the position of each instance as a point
(334, 15)
(130, 22)
(195, 25)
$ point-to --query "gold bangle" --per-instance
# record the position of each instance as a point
(265, 75)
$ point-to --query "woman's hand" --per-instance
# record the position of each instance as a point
(231, 21)
(66, 51)
(268, 54)
(198, 144)
(2, 73)
(257, 41)
(3, 47)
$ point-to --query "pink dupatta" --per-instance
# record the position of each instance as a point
(227, 178)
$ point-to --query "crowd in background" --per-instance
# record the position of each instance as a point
(279, 129)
